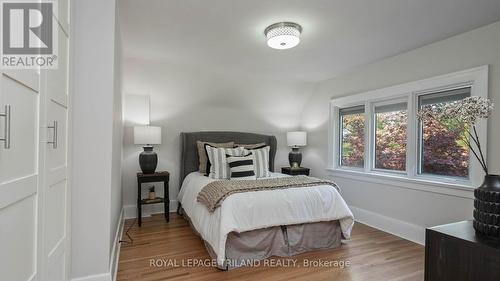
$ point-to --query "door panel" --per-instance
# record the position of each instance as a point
(21, 159)
(17, 240)
(55, 215)
(58, 78)
(62, 15)
(56, 155)
(19, 175)
(56, 267)
(56, 195)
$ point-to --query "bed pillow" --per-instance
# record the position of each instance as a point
(217, 160)
(260, 161)
(241, 167)
(202, 154)
(252, 146)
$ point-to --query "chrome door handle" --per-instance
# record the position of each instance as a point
(54, 135)
(6, 128)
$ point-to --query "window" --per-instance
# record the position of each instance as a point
(390, 136)
(352, 137)
(381, 137)
(441, 146)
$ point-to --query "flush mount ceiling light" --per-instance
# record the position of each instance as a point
(283, 35)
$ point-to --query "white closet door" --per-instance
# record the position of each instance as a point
(19, 174)
(56, 195)
(34, 195)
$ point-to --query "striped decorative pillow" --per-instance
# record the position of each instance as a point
(252, 145)
(241, 167)
(260, 161)
(217, 161)
(202, 153)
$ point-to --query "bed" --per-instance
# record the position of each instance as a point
(255, 225)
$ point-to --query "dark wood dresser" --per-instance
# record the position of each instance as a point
(453, 252)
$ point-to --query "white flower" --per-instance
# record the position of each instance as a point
(470, 110)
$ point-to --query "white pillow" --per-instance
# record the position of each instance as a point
(241, 167)
(219, 168)
(260, 161)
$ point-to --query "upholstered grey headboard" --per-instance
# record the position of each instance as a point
(189, 153)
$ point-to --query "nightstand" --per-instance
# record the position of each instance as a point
(295, 171)
(156, 177)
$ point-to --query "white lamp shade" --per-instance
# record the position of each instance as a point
(296, 138)
(147, 135)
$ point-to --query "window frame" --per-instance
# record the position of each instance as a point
(373, 130)
(475, 78)
(419, 128)
(340, 139)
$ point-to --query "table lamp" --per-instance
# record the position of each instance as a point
(296, 140)
(147, 136)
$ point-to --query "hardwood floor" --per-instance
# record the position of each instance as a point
(373, 256)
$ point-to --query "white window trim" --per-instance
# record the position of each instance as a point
(476, 78)
(372, 130)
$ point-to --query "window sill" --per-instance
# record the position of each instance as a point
(426, 185)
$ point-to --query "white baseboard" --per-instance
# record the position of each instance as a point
(115, 255)
(130, 211)
(97, 277)
(408, 231)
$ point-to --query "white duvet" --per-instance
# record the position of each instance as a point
(260, 209)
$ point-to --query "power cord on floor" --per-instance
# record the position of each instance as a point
(128, 235)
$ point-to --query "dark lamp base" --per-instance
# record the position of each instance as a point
(295, 157)
(148, 160)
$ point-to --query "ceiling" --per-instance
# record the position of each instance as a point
(338, 35)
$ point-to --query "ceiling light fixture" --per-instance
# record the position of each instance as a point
(283, 35)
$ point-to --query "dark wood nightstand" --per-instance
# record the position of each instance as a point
(156, 177)
(453, 252)
(295, 171)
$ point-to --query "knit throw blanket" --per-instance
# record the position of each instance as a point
(214, 193)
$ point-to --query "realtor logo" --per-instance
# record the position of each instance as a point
(28, 37)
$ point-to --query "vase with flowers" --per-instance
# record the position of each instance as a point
(470, 111)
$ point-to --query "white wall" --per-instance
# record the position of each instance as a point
(194, 98)
(394, 208)
(96, 140)
(116, 205)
